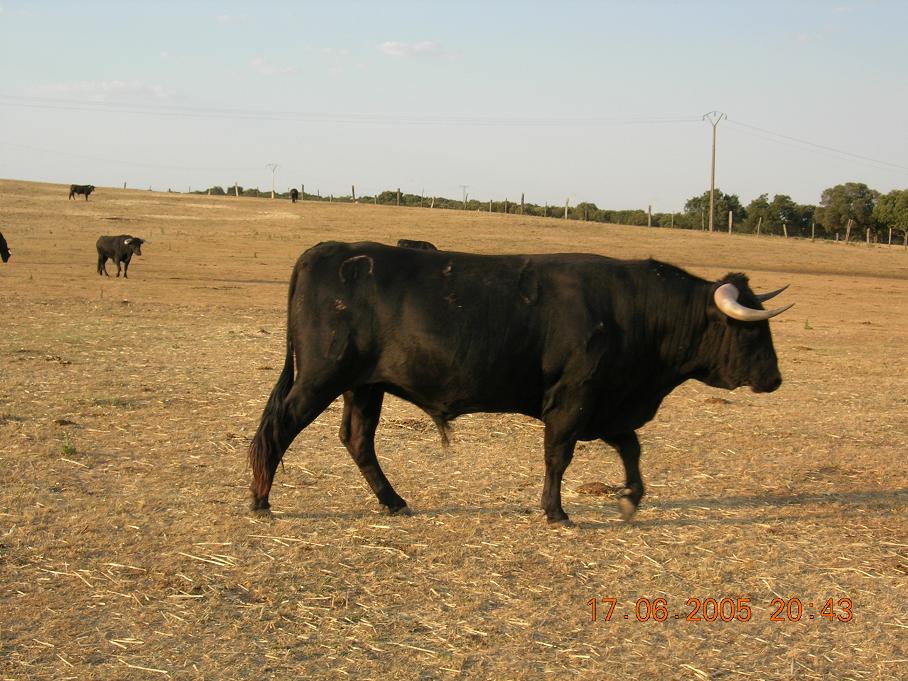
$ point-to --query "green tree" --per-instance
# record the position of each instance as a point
(699, 205)
(891, 210)
(849, 201)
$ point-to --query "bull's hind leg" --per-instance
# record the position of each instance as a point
(102, 264)
(628, 447)
(362, 409)
(559, 450)
(283, 420)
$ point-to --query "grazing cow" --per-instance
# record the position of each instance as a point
(4, 249)
(80, 189)
(587, 344)
(294, 195)
(120, 249)
(421, 245)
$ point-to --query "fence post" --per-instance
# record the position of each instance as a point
(813, 226)
(730, 221)
(649, 215)
(785, 230)
(566, 201)
(521, 203)
(848, 230)
(890, 236)
(353, 192)
(398, 196)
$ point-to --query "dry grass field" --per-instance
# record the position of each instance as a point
(126, 406)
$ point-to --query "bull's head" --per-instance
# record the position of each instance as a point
(134, 243)
(741, 346)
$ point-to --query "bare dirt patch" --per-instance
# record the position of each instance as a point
(126, 548)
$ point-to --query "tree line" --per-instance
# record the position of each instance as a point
(852, 206)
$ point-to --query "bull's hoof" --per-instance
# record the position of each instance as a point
(260, 506)
(627, 508)
(400, 511)
(559, 522)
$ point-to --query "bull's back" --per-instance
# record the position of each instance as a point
(451, 332)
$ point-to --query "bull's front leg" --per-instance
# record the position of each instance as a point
(628, 447)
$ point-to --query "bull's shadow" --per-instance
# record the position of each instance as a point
(605, 514)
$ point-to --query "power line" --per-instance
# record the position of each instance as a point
(149, 109)
(822, 147)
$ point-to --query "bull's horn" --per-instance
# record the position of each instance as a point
(726, 297)
(126, 241)
(763, 297)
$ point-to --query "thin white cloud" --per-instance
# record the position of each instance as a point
(266, 68)
(803, 38)
(425, 48)
(165, 54)
(106, 89)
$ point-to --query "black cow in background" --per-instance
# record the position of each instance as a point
(589, 345)
(120, 249)
(4, 249)
(294, 195)
(421, 245)
(85, 189)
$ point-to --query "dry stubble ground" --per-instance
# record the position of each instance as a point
(126, 548)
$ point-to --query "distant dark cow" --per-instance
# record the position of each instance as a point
(421, 245)
(294, 195)
(80, 189)
(4, 249)
(120, 249)
(587, 344)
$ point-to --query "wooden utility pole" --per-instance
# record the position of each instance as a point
(353, 192)
(649, 216)
(432, 205)
(785, 230)
(463, 189)
(730, 221)
(848, 230)
(236, 188)
(673, 221)
(713, 118)
(566, 207)
(759, 224)
(398, 196)
(521, 203)
(490, 205)
(868, 236)
(813, 231)
(890, 236)
(302, 192)
(273, 167)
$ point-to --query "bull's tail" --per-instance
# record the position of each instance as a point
(273, 435)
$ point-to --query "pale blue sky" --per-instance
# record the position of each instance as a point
(596, 101)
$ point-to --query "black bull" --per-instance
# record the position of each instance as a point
(589, 345)
(4, 249)
(84, 189)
